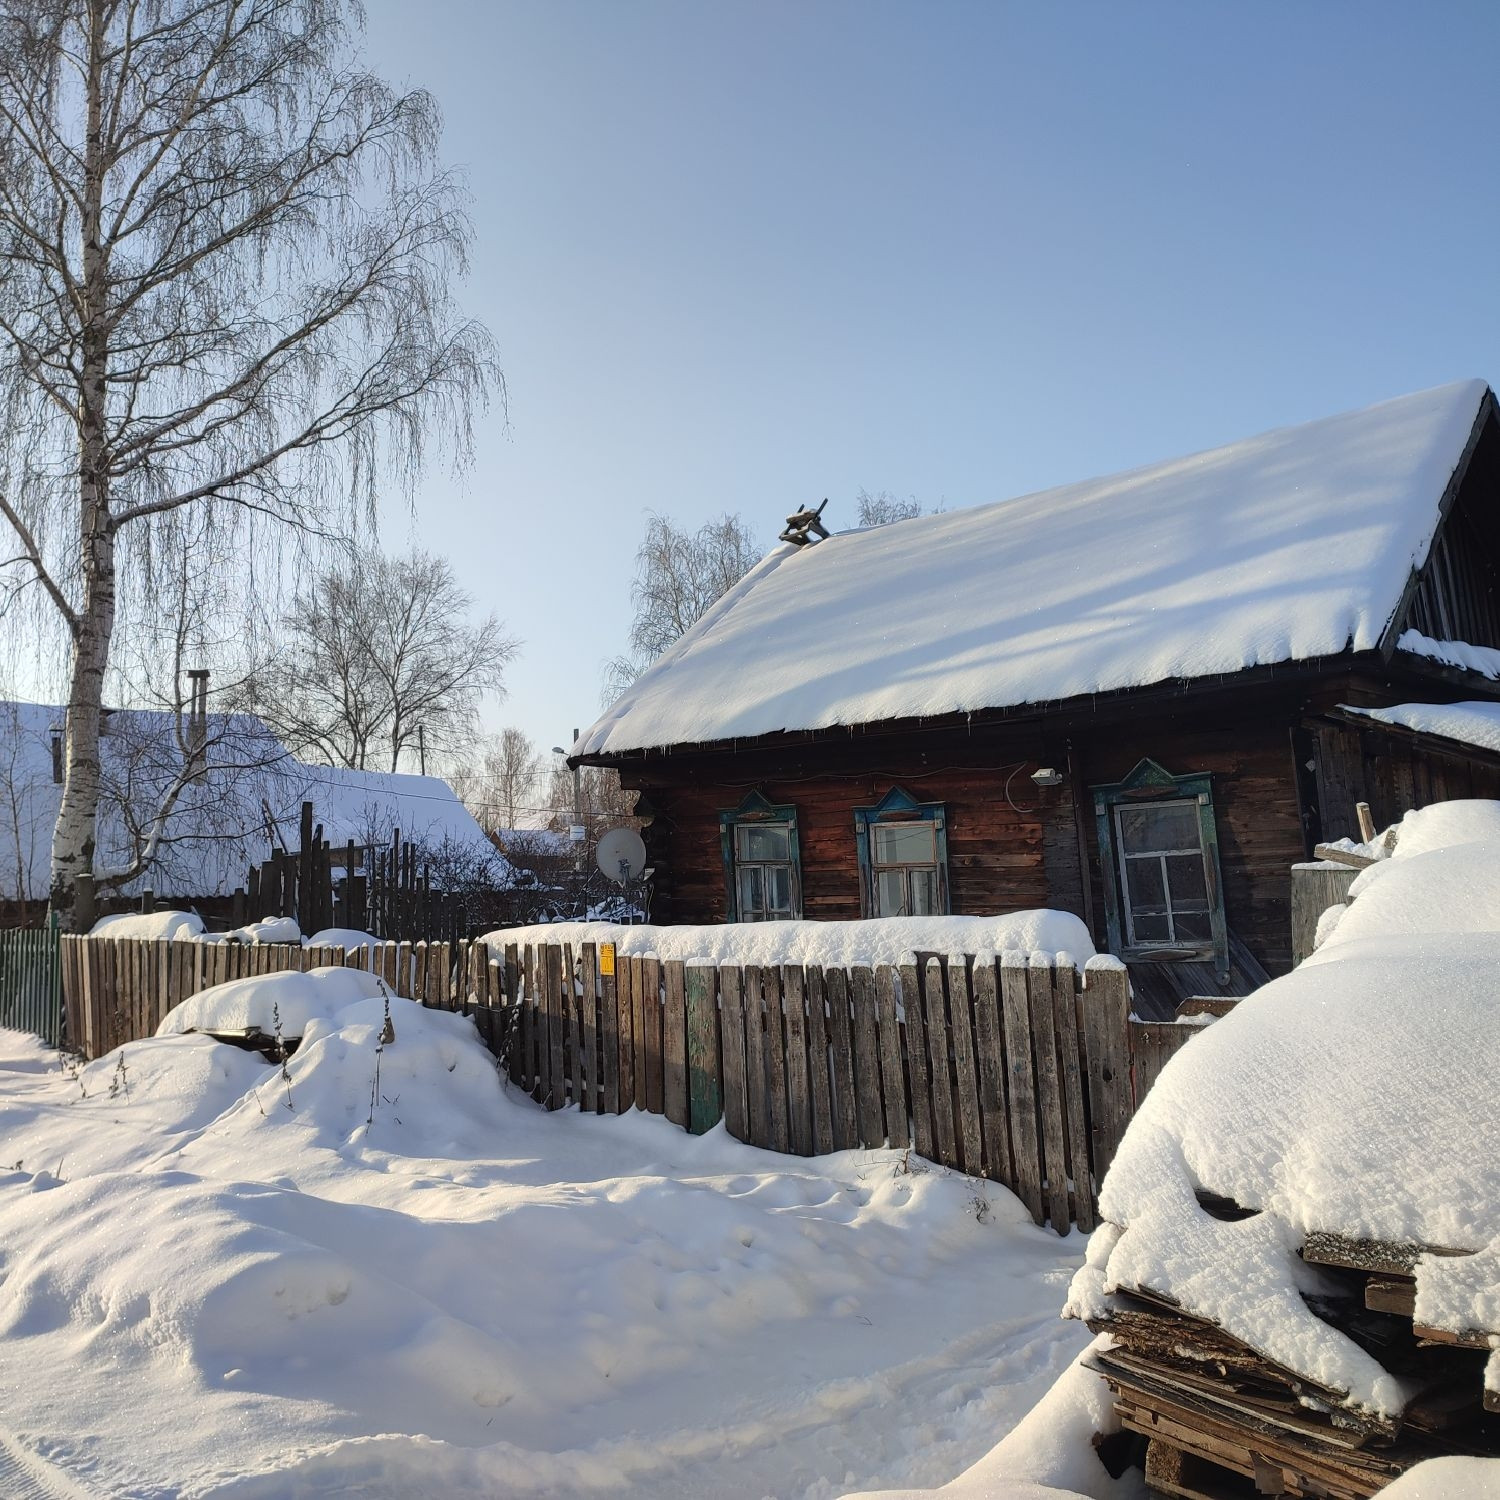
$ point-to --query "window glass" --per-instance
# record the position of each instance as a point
(1192, 926)
(890, 894)
(752, 890)
(1144, 885)
(1150, 928)
(1162, 873)
(922, 884)
(904, 843)
(762, 841)
(1185, 875)
(1158, 826)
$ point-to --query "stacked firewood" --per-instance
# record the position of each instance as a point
(1222, 1420)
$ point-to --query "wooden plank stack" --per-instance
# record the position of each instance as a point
(1223, 1420)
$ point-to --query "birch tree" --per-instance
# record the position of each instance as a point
(678, 575)
(226, 255)
(381, 663)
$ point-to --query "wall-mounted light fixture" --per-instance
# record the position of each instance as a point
(1047, 776)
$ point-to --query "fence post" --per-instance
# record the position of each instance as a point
(1106, 1041)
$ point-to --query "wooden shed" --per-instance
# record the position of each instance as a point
(1136, 698)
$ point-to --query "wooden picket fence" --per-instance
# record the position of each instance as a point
(1010, 1069)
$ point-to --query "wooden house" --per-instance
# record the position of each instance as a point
(1136, 698)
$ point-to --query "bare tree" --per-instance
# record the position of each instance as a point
(678, 575)
(225, 260)
(380, 663)
(502, 789)
(882, 508)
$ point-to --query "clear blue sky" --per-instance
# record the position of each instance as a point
(742, 256)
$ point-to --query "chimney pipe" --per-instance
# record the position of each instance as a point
(197, 726)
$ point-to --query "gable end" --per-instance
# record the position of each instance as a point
(1453, 595)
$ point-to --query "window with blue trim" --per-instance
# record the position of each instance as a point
(762, 862)
(903, 856)
(1159, 853)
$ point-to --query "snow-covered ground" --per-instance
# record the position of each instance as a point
(217, 1278)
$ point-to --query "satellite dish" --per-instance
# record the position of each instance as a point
(621, 854)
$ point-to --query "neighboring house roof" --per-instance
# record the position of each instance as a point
(219, 826)
(1475, 724)
(1291, 546)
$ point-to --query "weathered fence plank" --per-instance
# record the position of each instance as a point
(934, 1010)
(841, 1056)
(651, 1009)
(775, 1054)
(1070, 1075)
(1015, 1010)
(916, 1062)
(609, 1032)
(705, 1108)
(674, 1091)
(961, 1024)
(990, 1057)
(736, 1102)
(817, 1060)
(798, 1083)
(893, 1083)
(1048, 1092)
(866, 1057)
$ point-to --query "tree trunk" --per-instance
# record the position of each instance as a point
(73, 838)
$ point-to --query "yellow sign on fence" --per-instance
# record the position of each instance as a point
(606, 958)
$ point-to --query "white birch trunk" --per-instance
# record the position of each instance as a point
(75, 835)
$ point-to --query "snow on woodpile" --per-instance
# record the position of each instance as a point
(1291, 545)
(1466, 723)
(1346, 1098)
(288, 1000)
(881, 940)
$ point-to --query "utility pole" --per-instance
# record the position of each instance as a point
(422, 747)
(577, 800)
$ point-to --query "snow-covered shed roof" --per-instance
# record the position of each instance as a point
(1289, 546)
(219, 826)
(1476, 724)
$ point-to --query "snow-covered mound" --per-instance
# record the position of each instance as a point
(379, 1272)
(882, 940)
(288, 999)
(342, 937)
(153, 925)
(1344, 1097)
(267, 930)
(1446, 879)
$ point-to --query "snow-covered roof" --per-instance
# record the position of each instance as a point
(1289, 546)
(219, 826)
(1475, 723)
(1482, 660)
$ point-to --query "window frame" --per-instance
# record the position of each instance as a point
(757, 811)
(899, 806)
(1149, 783)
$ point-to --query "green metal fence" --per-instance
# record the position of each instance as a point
(31, 980)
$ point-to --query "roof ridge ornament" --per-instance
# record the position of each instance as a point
(800, 523)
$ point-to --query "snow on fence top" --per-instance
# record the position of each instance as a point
(883, 940)
(1291, 545)
(1346, 1097)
